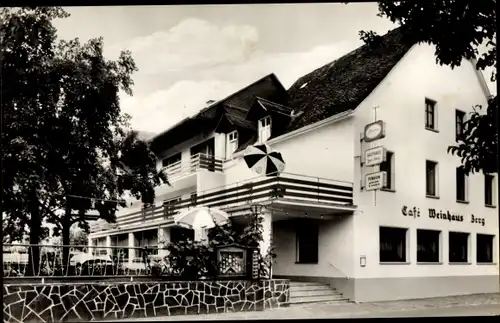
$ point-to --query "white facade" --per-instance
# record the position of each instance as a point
(401, 100)
(332, 151)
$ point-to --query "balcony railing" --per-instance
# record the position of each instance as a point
(199, 161)
(300, 188)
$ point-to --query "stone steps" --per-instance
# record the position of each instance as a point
(311, 292)
(308, 288)
(319, 292)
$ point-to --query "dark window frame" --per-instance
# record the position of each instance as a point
(488, 189)
(430, 114)
(388, 167)
(457, 252)
(461, 185)
(431, 186)
(484, 253)
(459, 124)
(171, 160)
(388, 250)
(425, 252)
(307, 242)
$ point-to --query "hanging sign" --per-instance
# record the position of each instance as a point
(374, 131)
(375, 181)
(375, 156)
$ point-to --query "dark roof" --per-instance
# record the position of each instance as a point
(343, 84)
(242, 146)
(334, 88)
(272, 106)
(268, 87)
(236, 116)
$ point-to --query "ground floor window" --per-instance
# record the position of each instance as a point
(484, 248)
(392, 244)
(307, 242)
(147, 239)
(458, 247)
(121, 242)
(428, 245)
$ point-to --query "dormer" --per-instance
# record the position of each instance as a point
(232, 143)
(264, 129)
(269, 117)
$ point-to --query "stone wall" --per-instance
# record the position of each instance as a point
(55, 302)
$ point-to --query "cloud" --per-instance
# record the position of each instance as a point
(196, 61)
(193, 43)
(161, 109)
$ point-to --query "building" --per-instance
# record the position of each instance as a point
(429, 232)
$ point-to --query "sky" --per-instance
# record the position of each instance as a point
(188, 55)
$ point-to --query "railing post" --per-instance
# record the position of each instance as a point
(109, 251)
(90, 243)
(131, 246)
(317, 188)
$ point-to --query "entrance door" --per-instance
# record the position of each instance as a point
(307, 238)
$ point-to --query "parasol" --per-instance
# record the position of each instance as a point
(201, 218)
(262, 159)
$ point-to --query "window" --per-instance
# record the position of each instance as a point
(232, 143)
(484, 248)
(488, 189)
(172, 160)
(264, 129)
(428, 245)
(431, 178)
(307, 242)
(392, 244)
(430, 114)
(388, 167)
(461, 182)
(459, 124)
(458, 247)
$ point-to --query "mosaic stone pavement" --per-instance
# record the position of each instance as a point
(96, 301)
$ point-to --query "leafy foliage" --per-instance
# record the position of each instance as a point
(457, 28)
(63, 131)
(76, 238)
(477, 147)
(192, 259)
(201, 259)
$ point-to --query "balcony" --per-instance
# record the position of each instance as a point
(286, 195)
(180, 169)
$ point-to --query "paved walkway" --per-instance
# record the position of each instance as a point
(471, 305)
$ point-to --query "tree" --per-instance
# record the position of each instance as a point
(76, 238)
(458, 28)
(64, 136)
(478, 145)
